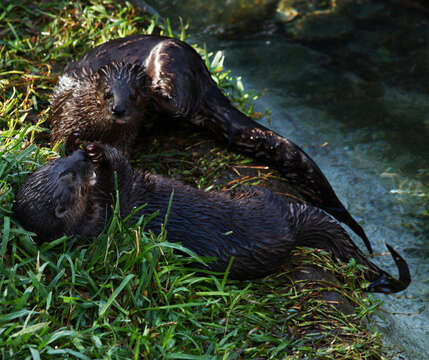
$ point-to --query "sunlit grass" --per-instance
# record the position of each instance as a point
(126, 294)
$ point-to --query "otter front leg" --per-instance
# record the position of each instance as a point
(247, 136)
(96, 153)
(110, 162)
(177, 78)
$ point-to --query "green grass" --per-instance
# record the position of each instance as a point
(127, 294)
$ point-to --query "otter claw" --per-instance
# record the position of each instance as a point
(94, 152)
(73, 141)
(93, 156)
(77, 135)
(90, 147)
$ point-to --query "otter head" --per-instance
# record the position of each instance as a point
(121, 89)
(58, 198)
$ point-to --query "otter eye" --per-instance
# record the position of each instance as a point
(60, 211)
(108, 95)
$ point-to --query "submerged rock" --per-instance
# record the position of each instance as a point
(315, 21)
(223, 18)
(320, 26)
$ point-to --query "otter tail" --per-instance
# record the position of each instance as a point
(388, 284)
(314, 228)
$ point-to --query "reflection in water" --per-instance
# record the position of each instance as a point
(375, 157)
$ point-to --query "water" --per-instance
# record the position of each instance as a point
(370, 141)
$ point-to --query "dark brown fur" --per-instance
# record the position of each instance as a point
(169, 79)
(259, 229)
(103, 105)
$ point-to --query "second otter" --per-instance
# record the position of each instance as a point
(73, 196)
(120, 86)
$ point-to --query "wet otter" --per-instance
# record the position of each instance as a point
(73, 195)
(115, 89)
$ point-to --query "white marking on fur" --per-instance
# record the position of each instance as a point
(93, 179)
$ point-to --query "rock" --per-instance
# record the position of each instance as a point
(231, 18)
(286, 13)
(319, 26)
(307, 276)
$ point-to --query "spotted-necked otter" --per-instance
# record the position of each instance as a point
(73, 195)
(115, 89)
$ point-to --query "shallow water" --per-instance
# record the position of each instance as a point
(370, 147)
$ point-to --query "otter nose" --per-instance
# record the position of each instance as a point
(118, 110)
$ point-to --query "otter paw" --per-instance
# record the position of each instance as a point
(73, 141)
(76, 136)
(95, 152)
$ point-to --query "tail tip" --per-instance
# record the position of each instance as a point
(386, 283)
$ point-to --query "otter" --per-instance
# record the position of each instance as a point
(127, 84)
(74, 196)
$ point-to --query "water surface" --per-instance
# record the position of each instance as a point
(370, 140)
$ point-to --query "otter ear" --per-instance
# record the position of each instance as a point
(61, 211)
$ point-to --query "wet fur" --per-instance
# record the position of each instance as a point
(254, 225)
(176, 85)
(79, 102)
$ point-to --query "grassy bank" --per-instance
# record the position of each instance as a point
(126, 295)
